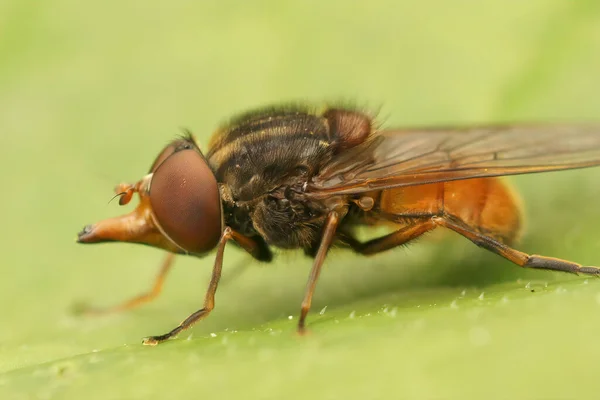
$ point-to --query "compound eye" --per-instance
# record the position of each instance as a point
(176, 145)
(185, 200)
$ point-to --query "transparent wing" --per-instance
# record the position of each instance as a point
(397, 158)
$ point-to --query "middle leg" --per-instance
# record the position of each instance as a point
(387, 242)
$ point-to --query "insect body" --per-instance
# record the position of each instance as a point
(294, 178)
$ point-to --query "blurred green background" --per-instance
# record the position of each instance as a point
(90, 91)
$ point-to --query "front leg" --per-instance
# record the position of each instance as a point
(136, 301)
(250, 245)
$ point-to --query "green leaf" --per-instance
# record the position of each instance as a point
(89, 93)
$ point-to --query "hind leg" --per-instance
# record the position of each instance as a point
(521, 259)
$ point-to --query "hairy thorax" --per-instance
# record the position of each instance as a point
(282, 217)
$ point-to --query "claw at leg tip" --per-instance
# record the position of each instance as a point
(149, 341)
(302, 331)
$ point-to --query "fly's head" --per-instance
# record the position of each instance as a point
(179, 209)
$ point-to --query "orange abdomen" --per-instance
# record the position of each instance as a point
(488, 205)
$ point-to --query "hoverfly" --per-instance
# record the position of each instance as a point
(292, 177)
